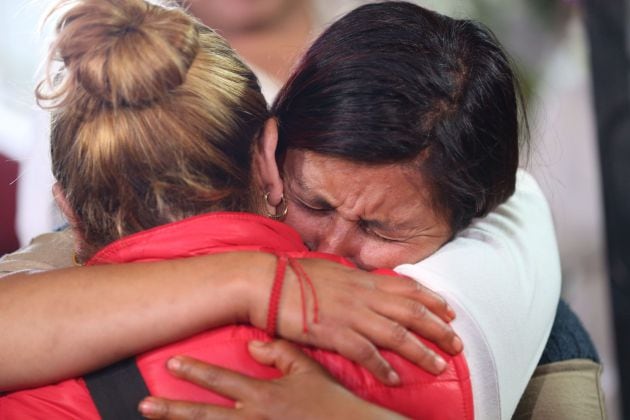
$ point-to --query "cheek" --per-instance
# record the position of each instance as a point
(304, 223)
(377, 254)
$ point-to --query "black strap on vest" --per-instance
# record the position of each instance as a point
(117, 390)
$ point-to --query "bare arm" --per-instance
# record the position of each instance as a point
(64, 323)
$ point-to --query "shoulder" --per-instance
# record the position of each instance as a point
(502, 271)
(45, 252)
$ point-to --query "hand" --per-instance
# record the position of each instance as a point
(359, 311)
(306, 391)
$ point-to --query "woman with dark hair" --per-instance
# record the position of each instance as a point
(409, 87)
(394, 86)
(389, 147)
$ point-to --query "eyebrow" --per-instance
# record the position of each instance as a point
(387, 226)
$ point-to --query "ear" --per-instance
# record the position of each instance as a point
(64, 206)
(266, 171)
(73, 220)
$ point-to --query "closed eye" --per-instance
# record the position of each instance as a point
(370, 231)
(311, 208)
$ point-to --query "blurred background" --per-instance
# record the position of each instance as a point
(572, 57)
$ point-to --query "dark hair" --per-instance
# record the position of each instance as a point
(395, 83)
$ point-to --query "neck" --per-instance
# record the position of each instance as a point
(275, 48)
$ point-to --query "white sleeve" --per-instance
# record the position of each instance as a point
(502, 277)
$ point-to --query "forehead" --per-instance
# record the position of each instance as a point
(394, 192)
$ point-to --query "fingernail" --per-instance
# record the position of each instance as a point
(457, 344)
(148, 407)
(393, 378)
(450, 312)
(439, 363)
(174, 364)
(257, 343)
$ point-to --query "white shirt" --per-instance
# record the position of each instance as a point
(502, 273)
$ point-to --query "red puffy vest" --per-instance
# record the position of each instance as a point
(421, 395)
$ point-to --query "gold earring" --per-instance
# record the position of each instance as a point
(75, 260)
(284, 209)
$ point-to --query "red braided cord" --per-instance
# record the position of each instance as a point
(274, 298)
(294, 265)
(308, 280)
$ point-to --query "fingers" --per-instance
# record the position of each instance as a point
(412, 315)
(283, 355)
(160, 408)
(411, 288)
(226, 382)
(357, 348)
(391, 335)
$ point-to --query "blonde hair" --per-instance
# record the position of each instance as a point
(153, 117)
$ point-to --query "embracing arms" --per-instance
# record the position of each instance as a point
(64, 323)
(502, 276)
(501, 273)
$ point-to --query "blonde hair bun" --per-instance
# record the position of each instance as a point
(123, 52)
(154, 118)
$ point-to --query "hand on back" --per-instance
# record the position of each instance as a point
(358, 312)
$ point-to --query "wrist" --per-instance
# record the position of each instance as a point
(253, 287)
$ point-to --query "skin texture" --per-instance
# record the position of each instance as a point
(269, 34)
(234, 16)
(375, 216)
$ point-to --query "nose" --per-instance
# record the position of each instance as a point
(337, 238)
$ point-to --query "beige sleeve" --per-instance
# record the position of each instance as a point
(566, 390)
(45, 252)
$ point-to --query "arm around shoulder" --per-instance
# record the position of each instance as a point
(67, 322)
